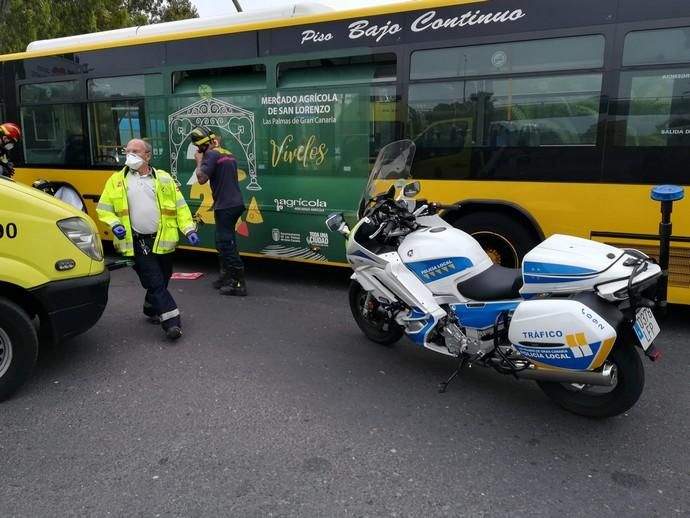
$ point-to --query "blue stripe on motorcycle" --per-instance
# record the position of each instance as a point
(481, 316)
(540, 279)
(362, 254)
(555, 269)
(420, 336)
(561, 357)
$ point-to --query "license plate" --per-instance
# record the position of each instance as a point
(646, 327)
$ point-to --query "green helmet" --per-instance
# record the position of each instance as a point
(202, 135)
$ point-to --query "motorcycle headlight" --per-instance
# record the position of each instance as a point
(79, 232)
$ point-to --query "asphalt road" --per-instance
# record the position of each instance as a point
(276, 405)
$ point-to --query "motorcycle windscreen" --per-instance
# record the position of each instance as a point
(563, 334)
(393, 162)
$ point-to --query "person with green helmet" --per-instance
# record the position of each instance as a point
(219, 167)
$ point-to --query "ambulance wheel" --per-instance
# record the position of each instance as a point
(375, 325)
(596, 401)
(18, 347)
(505, 240)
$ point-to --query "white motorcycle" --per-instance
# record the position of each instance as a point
(570, 318)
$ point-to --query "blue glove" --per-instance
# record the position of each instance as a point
(193, 238)
(119, 231)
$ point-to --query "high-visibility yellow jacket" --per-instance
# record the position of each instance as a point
(113, 210)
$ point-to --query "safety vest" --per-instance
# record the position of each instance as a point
(113, 210)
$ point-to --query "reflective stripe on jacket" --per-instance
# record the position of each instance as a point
(113, 210)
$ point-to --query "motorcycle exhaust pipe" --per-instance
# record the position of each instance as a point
(606, 377)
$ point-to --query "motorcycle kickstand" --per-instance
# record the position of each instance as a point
(461, 365)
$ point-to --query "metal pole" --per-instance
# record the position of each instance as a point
(237, 5)
(666, 194)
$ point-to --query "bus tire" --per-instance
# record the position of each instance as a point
(18, 347)
(504, 239)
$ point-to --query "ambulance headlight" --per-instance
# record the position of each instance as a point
(79, 232)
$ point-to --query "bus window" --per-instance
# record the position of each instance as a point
(577, 53)
(657, 47)
(216, 80)
(124, 86)
(52, 123)
(375, 68)
(59, 91)
(113, 124)
(385, 125)
(116, 118)
(654, 108)
(344, 103)
(654, 104)
(447, 119)
(485, 107)
(47, 131)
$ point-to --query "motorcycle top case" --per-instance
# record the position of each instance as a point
(566, 264)
(561, 333)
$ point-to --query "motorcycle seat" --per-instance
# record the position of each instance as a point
(495, 283)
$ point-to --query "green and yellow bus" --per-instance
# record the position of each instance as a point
(538, 116)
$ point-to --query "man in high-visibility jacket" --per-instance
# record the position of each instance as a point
(144, 209)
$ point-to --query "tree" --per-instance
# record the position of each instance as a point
(176, 10)
(22, 22)
(159, 11)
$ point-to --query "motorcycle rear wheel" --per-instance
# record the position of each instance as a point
(590, 401)
(383, 331)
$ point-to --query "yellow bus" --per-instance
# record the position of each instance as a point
(537, 116)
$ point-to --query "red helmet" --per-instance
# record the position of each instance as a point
(11, 131)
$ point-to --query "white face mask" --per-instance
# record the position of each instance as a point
(9, 146)
(134, 161)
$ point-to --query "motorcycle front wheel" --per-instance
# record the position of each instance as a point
(591, 401)
(375, 325)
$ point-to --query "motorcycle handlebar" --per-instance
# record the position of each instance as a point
(441, 206)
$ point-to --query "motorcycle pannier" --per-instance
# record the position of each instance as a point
(561, 333)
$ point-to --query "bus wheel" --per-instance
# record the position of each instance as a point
(505, 240)
(18, 347)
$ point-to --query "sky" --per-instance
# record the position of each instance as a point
(208, 8)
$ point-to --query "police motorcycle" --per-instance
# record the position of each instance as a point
(570, 318)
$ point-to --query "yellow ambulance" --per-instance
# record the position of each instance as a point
(53, 279)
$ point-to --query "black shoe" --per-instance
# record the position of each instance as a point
(223, 280)
(223, 277)
(174, 333)
(236, 289)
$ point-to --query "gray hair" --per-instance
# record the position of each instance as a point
(147, 146)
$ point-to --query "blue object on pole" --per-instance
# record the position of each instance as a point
(667, 193)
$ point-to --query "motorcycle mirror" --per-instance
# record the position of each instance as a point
(411, 189)
(336, 223)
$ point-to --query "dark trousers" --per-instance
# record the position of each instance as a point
(226, 244)
(154, 271)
